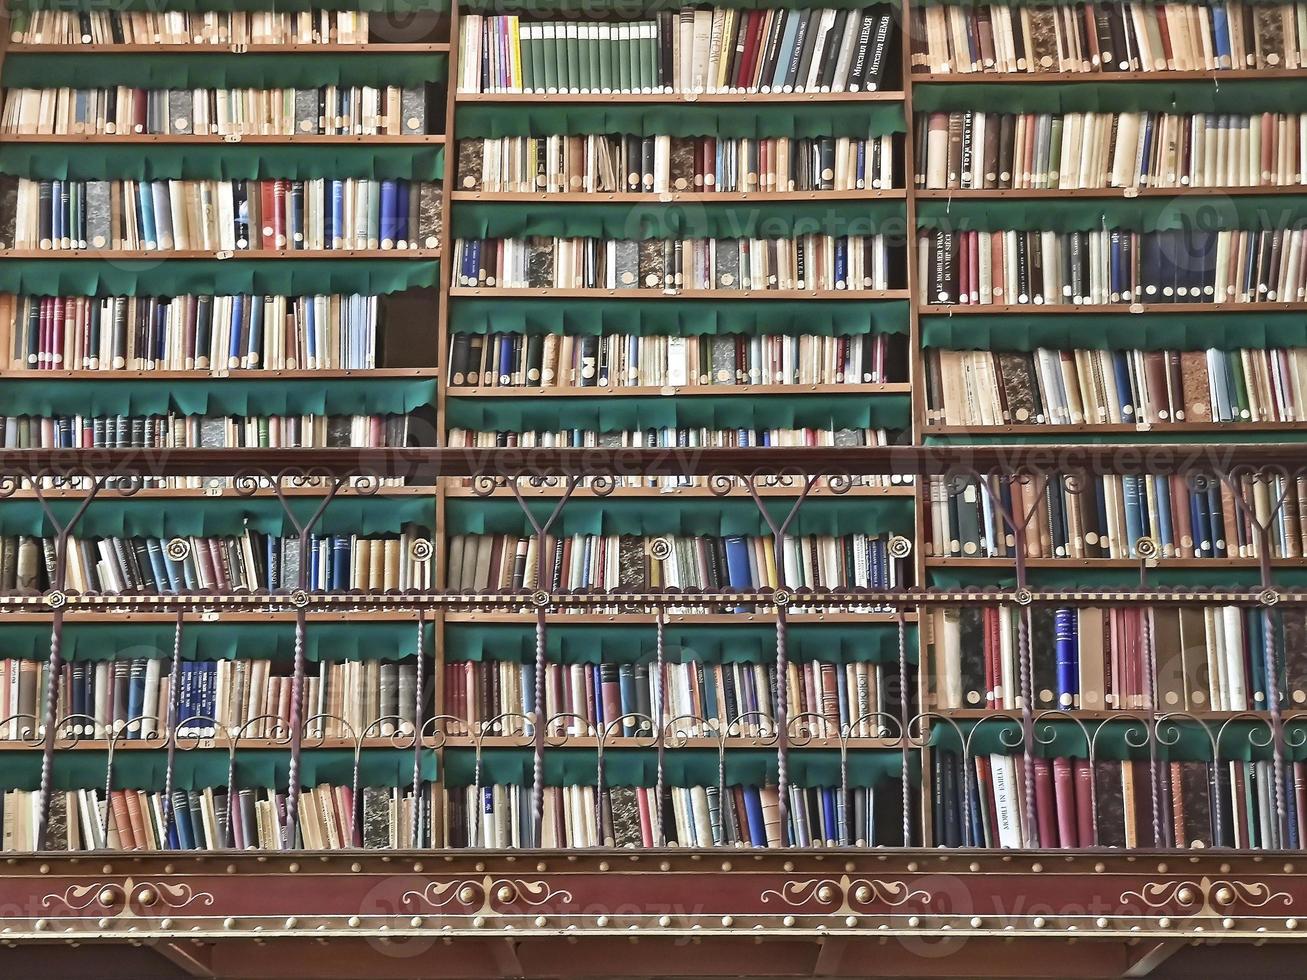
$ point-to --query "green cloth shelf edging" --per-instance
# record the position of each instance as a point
(747, 642)
(203, 69)
(689, 220)
(684, 318)
(204, 768)
(223, 161)
(683, 516)
(852, 411)
(329, 641)
(681, 767)
(1114, 331)
(177, 277)
(1159, 95)
(1135, 214)
(217, 396)
(200, 516)
(725, 121)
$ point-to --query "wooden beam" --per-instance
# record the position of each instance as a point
(194, 960)
(1149, 957)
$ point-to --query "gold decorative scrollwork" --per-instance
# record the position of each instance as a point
(845, 895)
(126, 899)
(486, 895)
(1206, 896)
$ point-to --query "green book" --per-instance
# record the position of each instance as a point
(1055, 152)
(592, 45)
(573, 55)
(560, 56)
(585, 47)
(1240, 391)
(605, 49)
(526, 41)
(549, 57)
(623, 52)
(651, 57)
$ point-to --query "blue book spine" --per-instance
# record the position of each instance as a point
(154, 547)
(1068, 659)
(626, 688)
(1133, 525)
(737, 563)
(1221, 34)
(753, 812)
(786, 50)
(135, 695)
(149, 230)
(830, 830)
(315, 577)
(1162, 491)
(1222, 537)
(340, 554)
(237, 318)
(842, 689)
(601, 718)
(404, 191)
(297, 230)
(505, 358)
(1202, 527)
(311, 326)
(337, 214)
(389, 213)
(841, 262)
(1124, 389)
(254, 342)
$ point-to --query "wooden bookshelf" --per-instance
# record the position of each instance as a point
(675, 97)
(1059, 309)
(198, 139)
(252, 374)
(133, 255)
(1093, 78)
(713, 294)
(640, 391)
(1054, 430)
(705, 197)
(968, 194)
(332, 49)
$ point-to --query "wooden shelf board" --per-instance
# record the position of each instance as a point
(1107, 192)
(195, 139)
(333, 49)
(228, 493)
(240, 254)
(1116, 428)
(1058, 309)
(676, 619)
(1027, 78)
(720, 295)
(637, 391)
(1083, 714)
(1112, 563)
(661, 197)
(271, 374)
(562, 743)
(676, 98)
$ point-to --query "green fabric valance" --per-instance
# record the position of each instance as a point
(1237, 97)
(203, 69)
(1079, 576)
(628, 414)
(33, 395)
(240, 274)
(681, 767)
(270, 6)
(198, 516)
(723, 120)
(323, 641)
(202, 768)
(686, 220)
(222, 161)
(1176, 740)
(1156, 435)
(1114, 331)
(1135, 214)
(682, 515)
(683, 318)
(747, 642)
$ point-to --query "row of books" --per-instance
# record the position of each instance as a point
(601, 563)
(1193, 658)
(1111, 803)
(135, 699)
(330, 817)
(331, 110)
(809, 262)
(217, 27)
(192, 333)
(694, 50)
(247, 562)
(499, 816)
(1115, 387)
(740, 698)
(222, 215)
(617, 163)
(1107, 37)
(514, 360)
(684, 437)
(1096, 268)
(1106, 517)
(1080, 150)
(202, 432)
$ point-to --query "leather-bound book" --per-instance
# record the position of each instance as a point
(1043, 657)
(1020, 393)
(652, 265)
(1168, 643)
(1046, 810)
(1111, 803)
(1043, 38)
(1064, 800)
(970, 661)
(681, 165)
(471, 158)
(1090, 626)
(1195, 788)
(540, 262)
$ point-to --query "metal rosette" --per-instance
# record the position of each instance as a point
(421, 549)
(660, 548)
(1268, 597)
(1024, 597)
(56, 599)
(177, 549)
(299, 598)
(540, 599)
(899, 546)
(1147, 549)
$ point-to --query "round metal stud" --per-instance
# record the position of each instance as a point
(1164, 923)
(862, 894)
(1291, 923)
(726, 865)
(601, 921)
(1036, 867)
(1223, 896)
(974, 866)
(914, 921)
(850, 921)
(229, 923)
(1227, 923)
(541, 921)
(977, 922)
(354, 922)
(665, 866)
(1185, 896)
(479, 921)
(42, 925)
(294, 866)
(1101, 922)
(292, 922)
(147, 896)
(664, 920)
(467, 894)
(108, 896)
(1039, 922)
(165, 923)
(728, 921)
(788, 920)
(506, 893)
(825, 894)
(1100, 867)
(541, 866)
(356, 867)
(416, 922)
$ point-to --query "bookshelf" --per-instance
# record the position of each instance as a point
(510, 620)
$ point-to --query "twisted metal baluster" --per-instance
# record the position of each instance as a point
(1027, 726)
(51, 711)
(1150, 708)
(174, 694)
(661, 714)
(538, 745)
(1277, 721)
(903, 721)
(417, 730)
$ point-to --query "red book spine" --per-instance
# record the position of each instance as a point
(1064, 793)
(280, 190)
(1045, 803)
(646, 818)
(268, 209)
(1084, 794)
